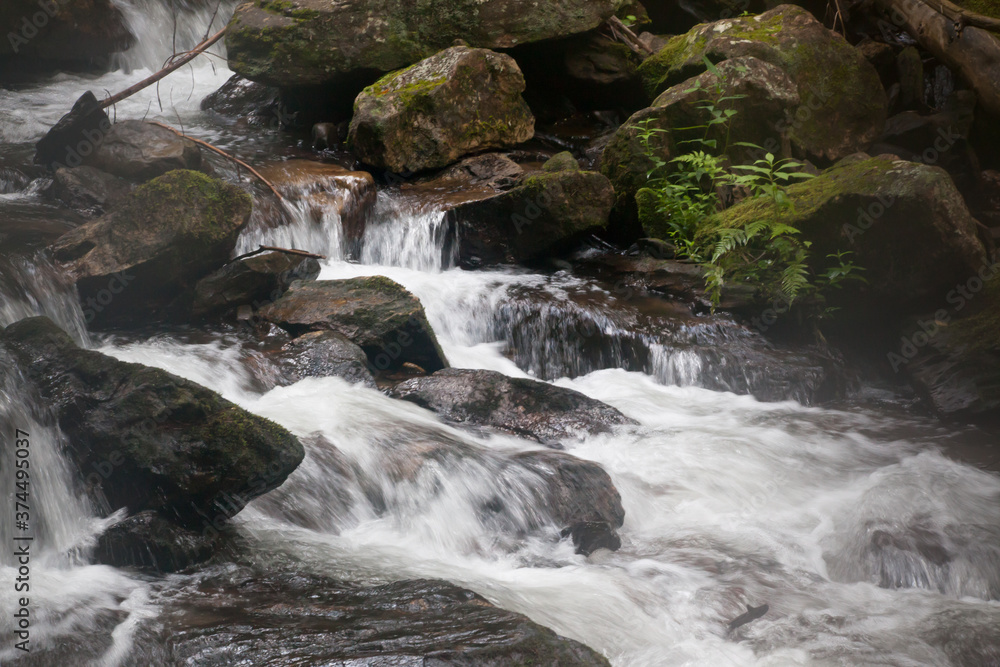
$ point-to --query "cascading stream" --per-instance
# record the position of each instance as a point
(868, 543)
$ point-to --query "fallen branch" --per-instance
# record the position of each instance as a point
(973, 52)
(174, 65)
(271, 248)
(963, 17)
(628, 38)
(223, 154)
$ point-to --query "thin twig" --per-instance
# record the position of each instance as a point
(628, 37)
(223, 154)
(180, 62)
(271, 248)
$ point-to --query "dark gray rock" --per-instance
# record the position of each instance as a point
(88, 190)
(519, 406)
(138, 151)
(255, 281)
(324, 354)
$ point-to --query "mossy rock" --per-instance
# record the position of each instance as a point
(73, 31)
(429, 115)
(309, 42)
(375, 313)
(903, 222)
(843, 106)
(144, 439)
(546, 213)
(139, 263)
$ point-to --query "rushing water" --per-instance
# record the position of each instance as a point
(868, 542)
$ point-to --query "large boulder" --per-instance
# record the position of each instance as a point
(139, 151)
(306, 42)
(142, 261)
(547, 212)
(522, 407)
(760, 94)
(377, 314)
(905, 224)
(91, 191)
(252, 281)
(456, 102)
(144, 439)
(45, 35)
(842, 103)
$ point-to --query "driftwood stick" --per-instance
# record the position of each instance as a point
(223, 154)
(176, 64)
(628, 38)
(271, 248)
(964, 17)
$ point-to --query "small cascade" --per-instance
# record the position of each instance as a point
(165, 28)
(31, 286)
(408, 234)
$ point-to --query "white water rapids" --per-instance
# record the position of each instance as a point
(729, 501)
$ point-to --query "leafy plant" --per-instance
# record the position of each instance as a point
(767, 250)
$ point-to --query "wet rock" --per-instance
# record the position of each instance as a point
(546, 213)
(256, 281)
(952, 356)
(427, 116)
(306, 42)
(324, 354)
(313, 620)
(88, 190)
(138, 151)
(837, 116)
(493, 170)
(763, 96)
(141, 262)
(911, 77)
(149, 542)
(377, 314)
(905, 224)
(47, 36)
(519, 406)
(74, 136)
(326, 191)
(581, 497)
(247, 101)
(144, 439)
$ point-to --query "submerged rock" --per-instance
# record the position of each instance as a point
(904, 223)
(141, 262)
(842, 104)
(313, 620)
(522, 407)
(253, 281)
(148, 541)
(581, 498)
(306, 42)
(138, 151)
(144, 439)
(545, 213)
(377, 314)
(456, 102)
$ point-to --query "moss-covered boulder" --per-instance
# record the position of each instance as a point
(146, 440)
(527, 408)
(903, 222)
(306, 42)
(427, 116)
(377, 314)
(547, 212)
(761, 95)
(842, 104)
(141, 262)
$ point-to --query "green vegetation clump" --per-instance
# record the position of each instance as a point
(684, 195)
